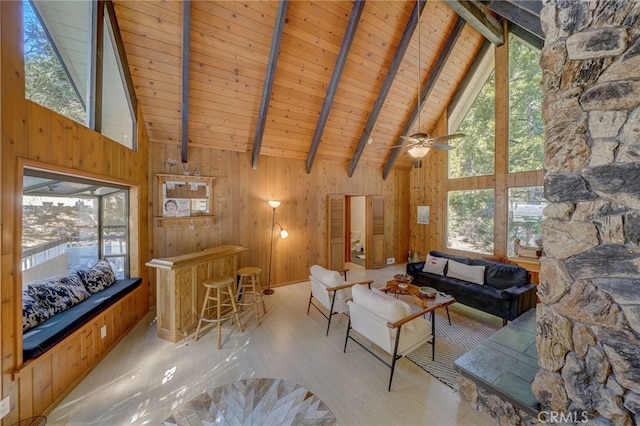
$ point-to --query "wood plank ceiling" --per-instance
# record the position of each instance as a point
(230, 45)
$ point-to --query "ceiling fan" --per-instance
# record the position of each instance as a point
(420, 143)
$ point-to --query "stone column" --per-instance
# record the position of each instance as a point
(588, 321)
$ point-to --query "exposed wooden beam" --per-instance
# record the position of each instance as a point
(478, 16)
(434, 74)
(186, 55)
(350, 33)
(519, 15)
(267, 88)
(386, 85)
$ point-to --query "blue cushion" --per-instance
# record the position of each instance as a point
(44, 336)
(98, 277)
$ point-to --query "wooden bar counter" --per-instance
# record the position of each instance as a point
(179, 289)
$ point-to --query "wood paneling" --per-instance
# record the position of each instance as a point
(46, 380)
(180, 290)
(243, 216)
(33, 135)
(230, 45)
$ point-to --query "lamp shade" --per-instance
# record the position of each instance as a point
(418, 151)
(283, 234)
(274, 203)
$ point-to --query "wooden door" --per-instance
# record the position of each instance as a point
(336, 231)
(375, 255)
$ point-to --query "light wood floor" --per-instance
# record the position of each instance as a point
(144, 378)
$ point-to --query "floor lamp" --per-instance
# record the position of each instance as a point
(283, 234)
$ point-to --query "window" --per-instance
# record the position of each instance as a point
(475, 117)
(470, 220)
(526, 129)
(60, 69)
(70, 223)
(525, 216)
(56, 54)
(118, 117)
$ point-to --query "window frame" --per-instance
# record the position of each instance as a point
(38, 170)
(501, 181)
(101, 11)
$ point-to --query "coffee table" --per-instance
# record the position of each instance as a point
(438, 301)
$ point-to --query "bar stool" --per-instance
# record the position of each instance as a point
(249, 285)
(221, 287)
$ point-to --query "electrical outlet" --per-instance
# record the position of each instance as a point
(391, 260)
(103, 332)
(5, 407)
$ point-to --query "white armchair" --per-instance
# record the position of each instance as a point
(328, 288)
(389, 324)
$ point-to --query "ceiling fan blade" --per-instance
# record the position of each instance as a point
(442, 146)
(447, 137)
(386, 148)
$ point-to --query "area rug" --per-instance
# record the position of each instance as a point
(452, 341)
(254, 402)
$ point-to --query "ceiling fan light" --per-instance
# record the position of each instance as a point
(418, 151)
(420, 136)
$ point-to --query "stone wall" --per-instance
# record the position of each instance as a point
(588, 322)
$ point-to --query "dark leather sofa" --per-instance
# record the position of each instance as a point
(506, 292)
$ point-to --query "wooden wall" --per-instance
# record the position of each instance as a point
(243, 217)
(31, 134)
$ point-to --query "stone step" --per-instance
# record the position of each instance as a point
(505, 364)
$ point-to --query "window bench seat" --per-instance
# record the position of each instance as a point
(44, 336)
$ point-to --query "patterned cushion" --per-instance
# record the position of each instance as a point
(59, 294)
(98, 277)
(435, 265)
(33, 313)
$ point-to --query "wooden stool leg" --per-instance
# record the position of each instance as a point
(239, 296)
(202, 311)
(254, 289)
(241, 290)
(232, 296)
(260, 295)
(219, 314)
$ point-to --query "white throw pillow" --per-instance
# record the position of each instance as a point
(383, 305)
(474, 274)
(435, 265)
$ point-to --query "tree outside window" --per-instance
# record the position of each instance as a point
(526, 129)
(475, 153)
(47, 81)
(470, 220)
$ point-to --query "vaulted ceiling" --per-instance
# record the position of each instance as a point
(298, 79)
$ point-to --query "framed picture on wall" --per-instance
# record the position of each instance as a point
(423, 214)
(176, 207)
